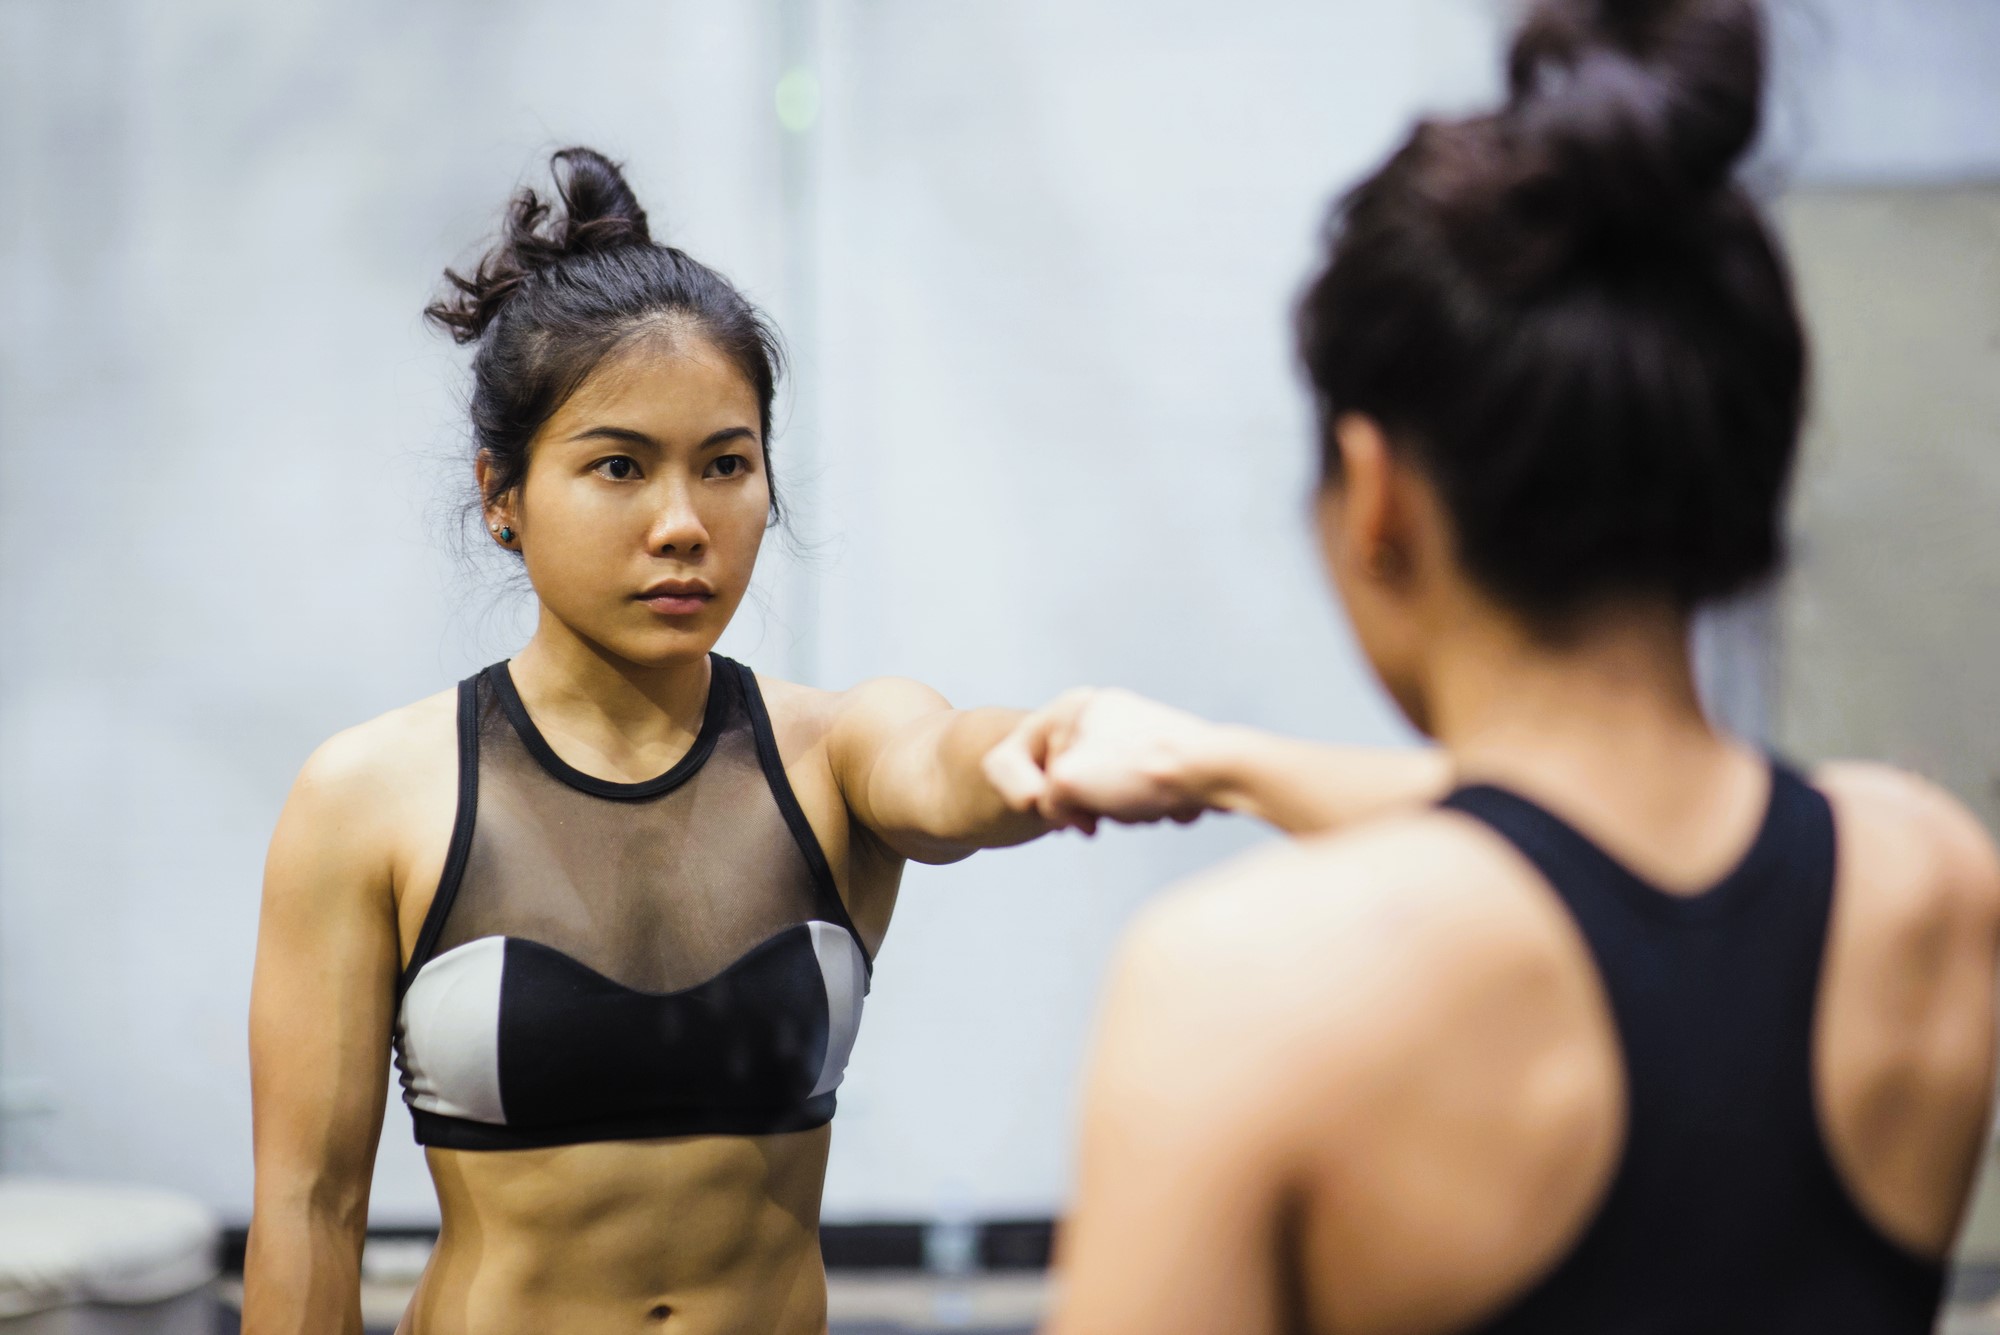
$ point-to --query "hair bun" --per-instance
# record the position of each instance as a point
(1628, 113)
(598, 212)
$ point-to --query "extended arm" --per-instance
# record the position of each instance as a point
(909, 766)
(319, 1038)
(1313, 787)
(1114, 754)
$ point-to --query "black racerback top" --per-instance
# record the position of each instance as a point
(620, 961)
(1725, 1215)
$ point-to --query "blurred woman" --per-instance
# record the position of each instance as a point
(1638, 1029)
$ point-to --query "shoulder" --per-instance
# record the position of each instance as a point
(360, 802)
(864, 709)
(791, 704)
(888, 698)
(1912, 836)
(1421, 882)
(1882, 795)
(1318, 966)
(362, 759)
(876, 692)
(361, 776)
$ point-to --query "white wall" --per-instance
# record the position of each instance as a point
(1035, 257)
(1887, 91)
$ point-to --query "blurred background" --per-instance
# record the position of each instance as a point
(1034, 261)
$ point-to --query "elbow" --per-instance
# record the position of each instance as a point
(308, 1204)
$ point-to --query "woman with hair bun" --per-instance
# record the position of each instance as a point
(1638, 1030)
(614, 902)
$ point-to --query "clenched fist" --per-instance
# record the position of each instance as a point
(1104, 754)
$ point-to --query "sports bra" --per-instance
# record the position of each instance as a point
(1725, 1215)
(621, 961)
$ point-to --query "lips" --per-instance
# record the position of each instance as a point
(677, 597)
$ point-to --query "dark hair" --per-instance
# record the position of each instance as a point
(1571, 317)
(570, 281)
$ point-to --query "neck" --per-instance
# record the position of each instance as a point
(1614, 701)
(619, 709)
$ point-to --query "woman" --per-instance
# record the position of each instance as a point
(615, 900)
(1638, 1030)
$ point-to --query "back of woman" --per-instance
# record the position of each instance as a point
(1638, 1029)
(1591, 1097)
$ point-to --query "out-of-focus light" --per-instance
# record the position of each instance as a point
(798, 100)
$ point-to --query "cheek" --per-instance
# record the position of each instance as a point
(750, 505)
(736, 521)
(568, 506)
(574, 533)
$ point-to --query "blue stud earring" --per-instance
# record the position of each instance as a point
(506, 534)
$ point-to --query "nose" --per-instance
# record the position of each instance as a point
(677, 529)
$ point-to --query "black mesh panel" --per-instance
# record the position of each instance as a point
(655, 890)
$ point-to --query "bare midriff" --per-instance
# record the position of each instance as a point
(696, 1235)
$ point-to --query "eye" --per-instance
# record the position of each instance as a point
(728, 465)
(618, 468)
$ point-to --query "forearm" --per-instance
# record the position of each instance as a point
(1311, 787)
(302, 1272)
(930, 796)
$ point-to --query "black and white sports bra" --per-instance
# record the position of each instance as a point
(620, 961)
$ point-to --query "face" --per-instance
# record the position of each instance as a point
(1383, 538)
(645, 502)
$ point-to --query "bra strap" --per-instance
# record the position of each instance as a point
(773, 765)
(460, 847)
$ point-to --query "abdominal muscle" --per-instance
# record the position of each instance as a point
(693, 1235)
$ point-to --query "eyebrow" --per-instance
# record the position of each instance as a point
(632, 437)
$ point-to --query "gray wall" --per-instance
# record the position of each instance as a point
(1033, 258)
(1889, 618)
(1891, 608)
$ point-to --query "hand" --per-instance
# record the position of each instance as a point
(1105, 754)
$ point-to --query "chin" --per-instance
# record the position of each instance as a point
(677, 646)
(659, 646)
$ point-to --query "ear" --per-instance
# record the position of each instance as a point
(501, 512)
(1364, 505)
